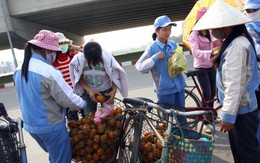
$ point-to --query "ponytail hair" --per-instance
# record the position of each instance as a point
(27, 56)
(154, 36)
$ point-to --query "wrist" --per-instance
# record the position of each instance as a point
(81, 48)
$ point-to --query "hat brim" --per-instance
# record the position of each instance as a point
(66, 41)
(169, 23)
(252, 6)
(221, 15)
(44, 45)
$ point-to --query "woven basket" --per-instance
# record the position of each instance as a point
(190, 149)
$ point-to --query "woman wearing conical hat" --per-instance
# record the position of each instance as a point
(236, 66)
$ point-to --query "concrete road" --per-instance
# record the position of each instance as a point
(140, 85)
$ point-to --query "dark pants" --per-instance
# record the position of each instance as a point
(257, 93)
(242, 138)
(174, 101)
(207, 83)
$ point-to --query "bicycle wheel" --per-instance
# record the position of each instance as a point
(191, 99)
(128, 151)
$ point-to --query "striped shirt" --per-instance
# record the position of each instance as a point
(62, 64)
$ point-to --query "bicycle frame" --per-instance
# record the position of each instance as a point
(21, 144)
(197, 87)
(138, 114)
(192, 88)
(19, 124)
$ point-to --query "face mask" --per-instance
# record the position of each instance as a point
(255, 16)
(204, 33)
(50, 57)
(64, 48)
(219, 33)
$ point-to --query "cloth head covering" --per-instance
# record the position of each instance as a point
(163, 21)
(201, 12)
(219, 15)
(62, 38)
(46, 39)
(252, 4)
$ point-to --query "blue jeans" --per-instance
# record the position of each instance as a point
(174, 101)
(57, 144)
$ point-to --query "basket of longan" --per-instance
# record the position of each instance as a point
(150, 146)
(96, 142)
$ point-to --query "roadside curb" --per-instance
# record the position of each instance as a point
(128, 63)
(6, 85)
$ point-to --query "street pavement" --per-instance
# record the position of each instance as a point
(140, 85)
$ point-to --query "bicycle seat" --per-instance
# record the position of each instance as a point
(194, 72)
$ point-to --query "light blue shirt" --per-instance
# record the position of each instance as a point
(164, 84)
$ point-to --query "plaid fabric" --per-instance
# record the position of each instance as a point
(190, 149)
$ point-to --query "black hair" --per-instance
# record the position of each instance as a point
(93, 53)
(27, 57)
(154, 36)
(239, 30)
(207, 34)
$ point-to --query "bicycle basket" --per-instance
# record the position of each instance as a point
(96, 142)
(150, 146)
(8, 143)
(191, 148)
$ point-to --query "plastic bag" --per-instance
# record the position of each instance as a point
(102, 112)
(177, 63)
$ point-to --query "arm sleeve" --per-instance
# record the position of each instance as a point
(145, 63)
(195, 50)
(234, 81)
(62, 93)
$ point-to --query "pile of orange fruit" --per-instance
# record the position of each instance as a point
(151, 147)
(92, 142)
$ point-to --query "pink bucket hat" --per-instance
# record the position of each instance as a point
(201, 12)
(46, 39)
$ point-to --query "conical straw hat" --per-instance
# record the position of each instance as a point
(219, 15)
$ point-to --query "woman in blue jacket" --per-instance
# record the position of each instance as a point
(236, 79)
(43, 95)
(170, 91)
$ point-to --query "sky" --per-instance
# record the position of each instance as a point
(116, 40)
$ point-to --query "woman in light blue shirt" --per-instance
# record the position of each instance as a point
(170, 91)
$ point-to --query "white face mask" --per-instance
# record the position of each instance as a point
(255, 16)
(50, 57)
(64, 48)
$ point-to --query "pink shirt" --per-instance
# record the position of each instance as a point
(201, 49)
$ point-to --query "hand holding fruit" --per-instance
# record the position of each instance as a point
(100, 98)
(111, 95)
(92, 94)
(215, 50)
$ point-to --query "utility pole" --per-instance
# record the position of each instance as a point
(5, 13)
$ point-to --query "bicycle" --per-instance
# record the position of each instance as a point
(140, 117)
(12, 148)
(198, 102)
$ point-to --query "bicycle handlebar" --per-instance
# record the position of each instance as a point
(137, 101)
